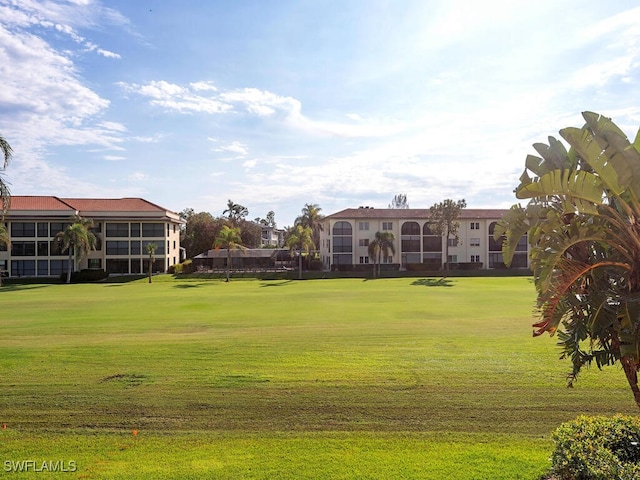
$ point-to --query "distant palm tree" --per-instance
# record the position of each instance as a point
(151, 251)
(235, 212)
(300, 239)
(78, 239)
(5, 195)
(5, 240)
(380, 247)
(312, 218)
(229, 238)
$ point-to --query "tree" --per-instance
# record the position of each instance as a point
(269, 221)
(584, 243)
(301, 240)
(380, 247)
(5, 194)
(312, 218)
(444, 221)
(235, 212)
(399, 201)
(151, 251)
(229, 239)
(199, 232)
(78, 240)
(5, 240)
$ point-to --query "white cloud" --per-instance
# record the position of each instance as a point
(114, 158)
(235, 147)
(138, 177)
(108, 54)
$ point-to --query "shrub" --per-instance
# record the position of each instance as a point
(185, 267)
(597, 448)
(315, 265)
(85, 276)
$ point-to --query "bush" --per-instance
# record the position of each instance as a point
(85, 276)
(185, 267)
(597, 448)
(315, 265)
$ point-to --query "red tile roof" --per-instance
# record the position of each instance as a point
(409, 213)
(22, 203)
(113, 205)
(39, 203)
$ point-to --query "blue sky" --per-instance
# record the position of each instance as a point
(277, 103)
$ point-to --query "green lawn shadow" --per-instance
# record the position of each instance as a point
(433, 282)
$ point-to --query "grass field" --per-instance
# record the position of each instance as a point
(390, 378)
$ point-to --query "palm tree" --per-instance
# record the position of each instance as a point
(78, 239)
(235, 212)
(380, 247)
(5, 240)
(301, 240)
(582, 225)
(151, 251)
(444, 221)
(5, 194)
(312, 218)
(228, 238)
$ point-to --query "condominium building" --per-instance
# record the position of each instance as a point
(123, 228)
(345, 237)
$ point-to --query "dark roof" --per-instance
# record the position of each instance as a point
(248, 253)
(411, 213)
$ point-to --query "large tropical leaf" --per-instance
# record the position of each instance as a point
(591, 152)
(582, 188)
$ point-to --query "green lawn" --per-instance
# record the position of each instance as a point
(387, 378)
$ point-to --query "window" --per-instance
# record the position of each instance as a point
(387, 259)
(43, 268)
(342, 259)
(342, 244)
(135, 248)
(475, 258)
(23, 229)
(43, 249)
(363, 242)
(55, 249)
(342, 228)
(22, 268)
(410, 244)
(136, 265)
(118, 247)
(135, 230)
(410, 228)
(363, 225)
(387, 225)
(364, 259)
(95, 263)
(24, 249)
(153, 230)
(117, 230)
(159, 248)
(329, 246)
(474, 242)
(453, 259)
(117, 266)
(475, 225)
(57, 267)
(43, 230)
(452, 242)
(56, 227)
